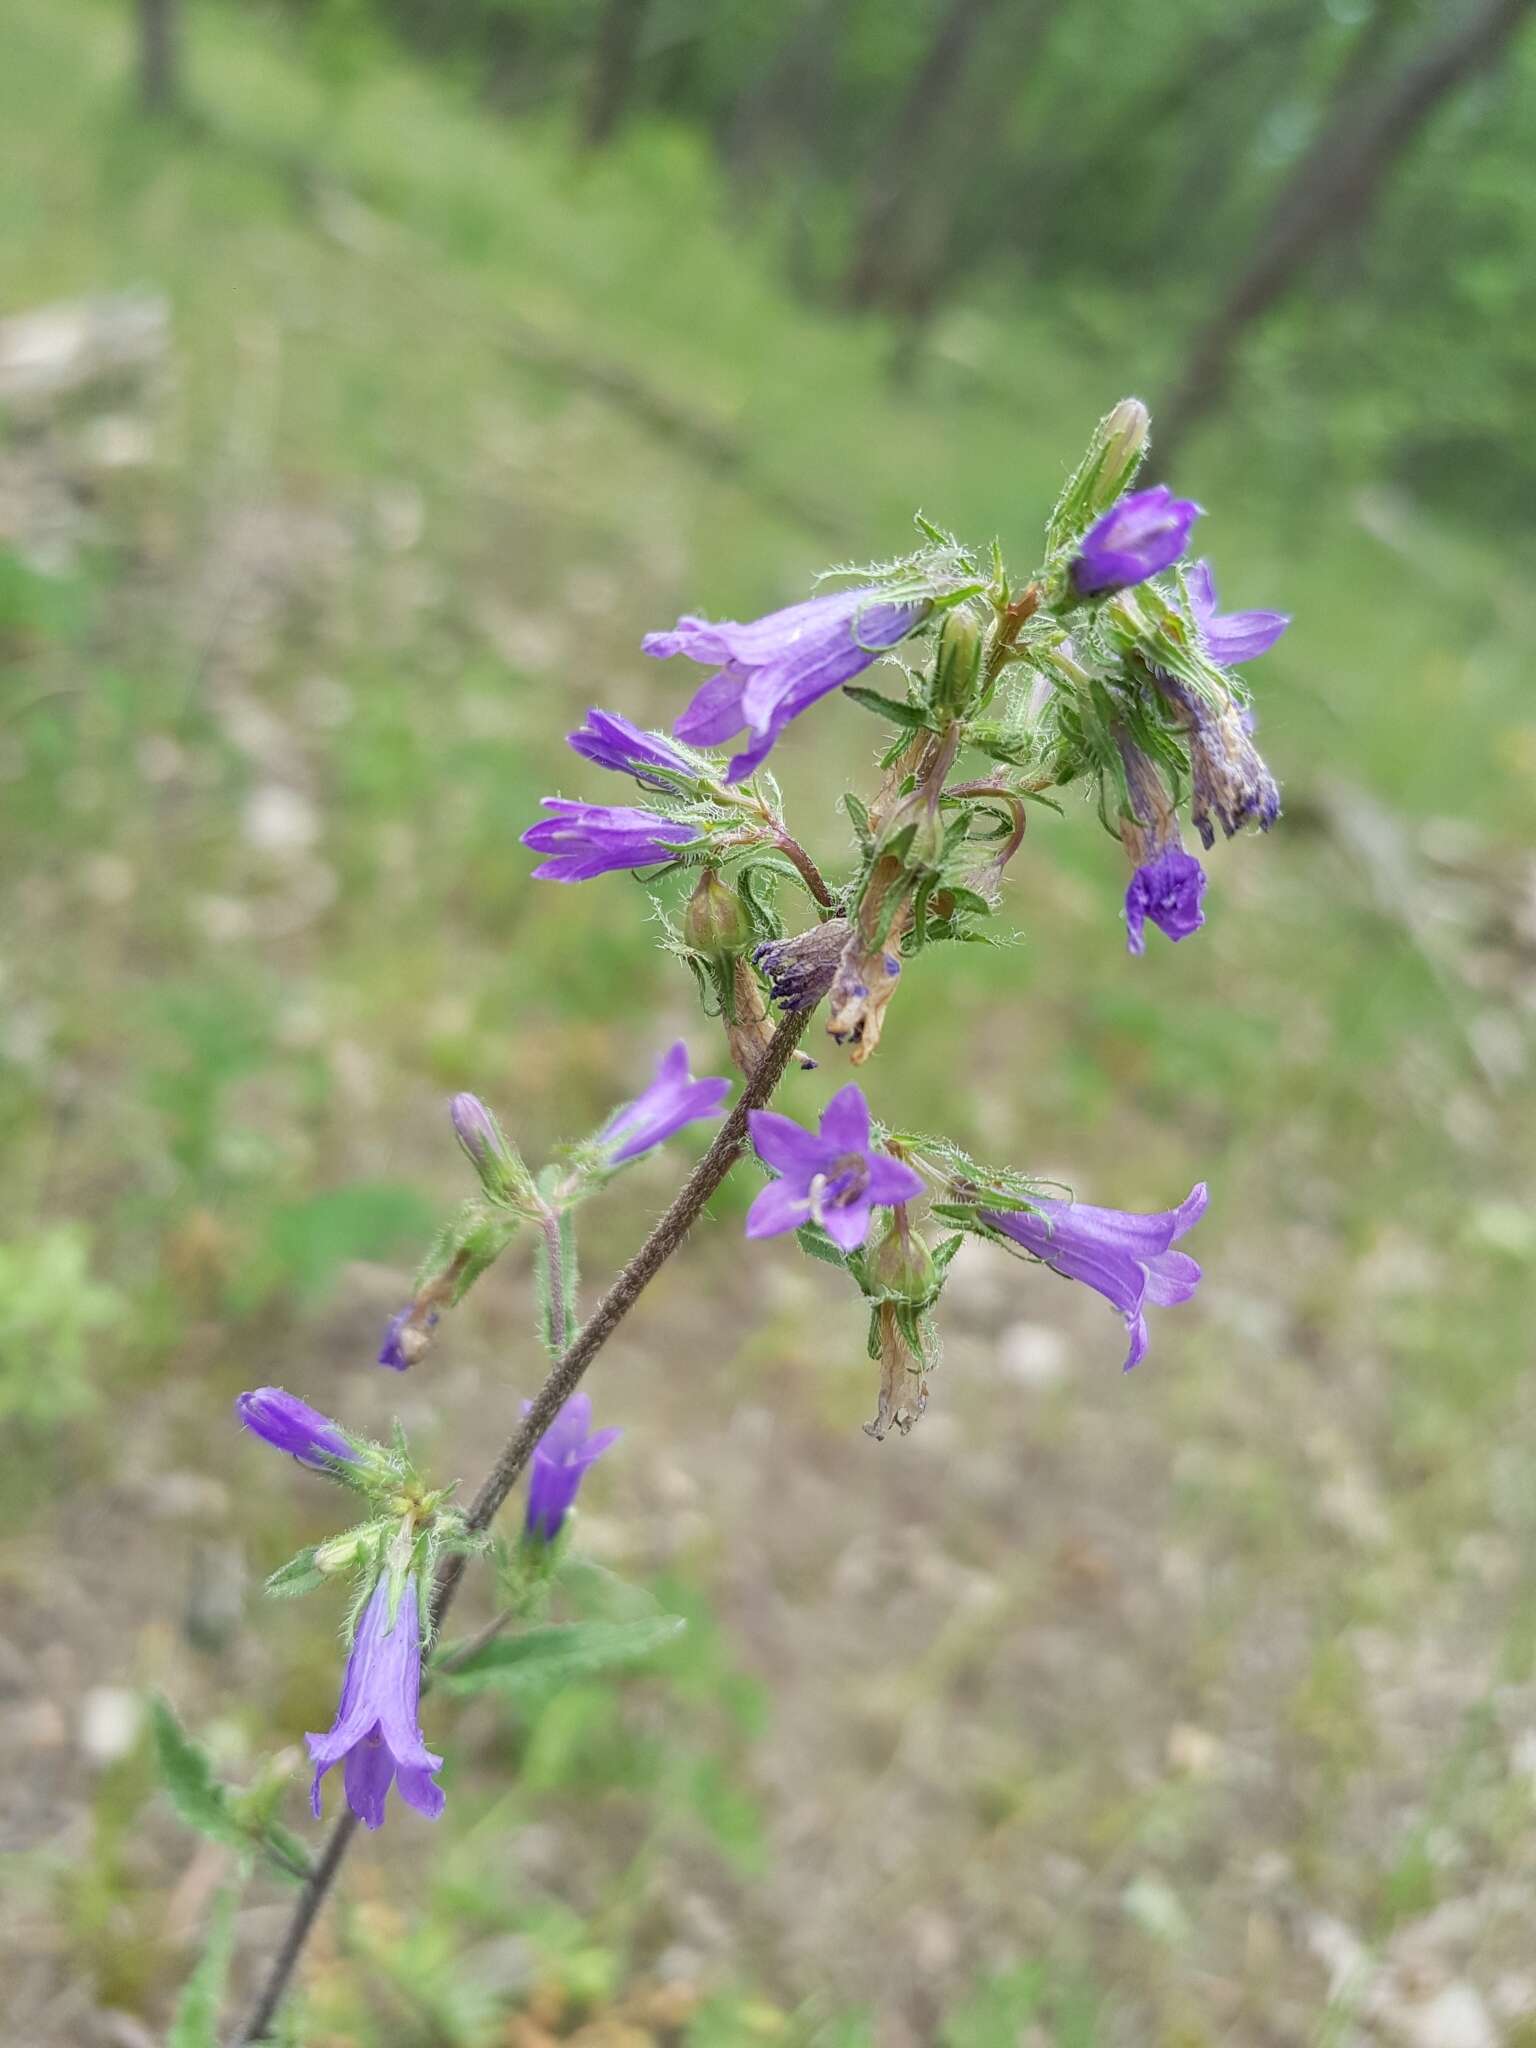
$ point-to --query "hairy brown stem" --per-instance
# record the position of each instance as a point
(814, 881)
(554, 1253)
(564, 1377)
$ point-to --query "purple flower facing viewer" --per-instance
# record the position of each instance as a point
(1144, 532)
(566, 1452)
(584, 840)
(833, 1178)
(613, 742)
(376, 1735)
(1167, 889)
(1230, 637)
(291, 1425)
(773, 668)
(1123, 1256)
(673, 1099)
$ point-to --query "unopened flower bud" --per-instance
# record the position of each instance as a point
(339, 1555)
(958, 664)
(715, 924)
(502, 1173)
(914, 832)
(902, 1265)
(1123, 438)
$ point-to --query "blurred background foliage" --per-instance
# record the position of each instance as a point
(363, 398)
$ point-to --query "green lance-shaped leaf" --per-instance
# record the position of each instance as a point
(910, 716)
(201, 1802)
(195, 2023)
(558, 1653)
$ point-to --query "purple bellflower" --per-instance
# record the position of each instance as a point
(1167, 889)
(564, 1454)
(1144, 532)
(584, 840)
(1125, 1257)
(1168, 882)
(291, 1425)
(612, 742)
(1230, 637)
(376, 1729)
(673, 1099)
(834, 1178)
(773, 668)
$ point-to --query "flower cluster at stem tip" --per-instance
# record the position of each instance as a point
(1107, 669)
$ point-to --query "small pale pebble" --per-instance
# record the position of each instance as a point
(110, 1719)
(1032, 1355)
(279, 820)
(1455, 2018)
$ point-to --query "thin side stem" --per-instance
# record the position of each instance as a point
(554, 1258)
(814, 880)
(563, 1380)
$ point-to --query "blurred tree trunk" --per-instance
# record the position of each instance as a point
(899, 158)
(790, 98)
(611, 79)
(159, 55)
(1332, 193)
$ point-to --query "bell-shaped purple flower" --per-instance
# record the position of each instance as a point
(376, 1730)
(673, 1099)
(584, 840)
(1167, 889)
(566, 1452)
(1146, 531)
(613, 742)
(291, 1425)
(1230, 637)
(773, 668)
(833, 1178)
(1125, 1257)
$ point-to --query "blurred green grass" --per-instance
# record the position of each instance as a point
(380, 562)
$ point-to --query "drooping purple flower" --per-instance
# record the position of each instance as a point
(584, 840)
(773, 668)
(612, 741)
(1168, 890)
(1167, 882)
(673, 1099)
(1144, 532)
(833, 1178)
(376, 1729)
(406, 1336)
(291, 1425)
(1128, 1258)
(565, 1453)
(1230, 637)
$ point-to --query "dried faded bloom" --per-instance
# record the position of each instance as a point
(800, 969)
(903, 1380)
(1228, 779)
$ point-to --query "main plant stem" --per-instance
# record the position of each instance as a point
(564, 1377)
